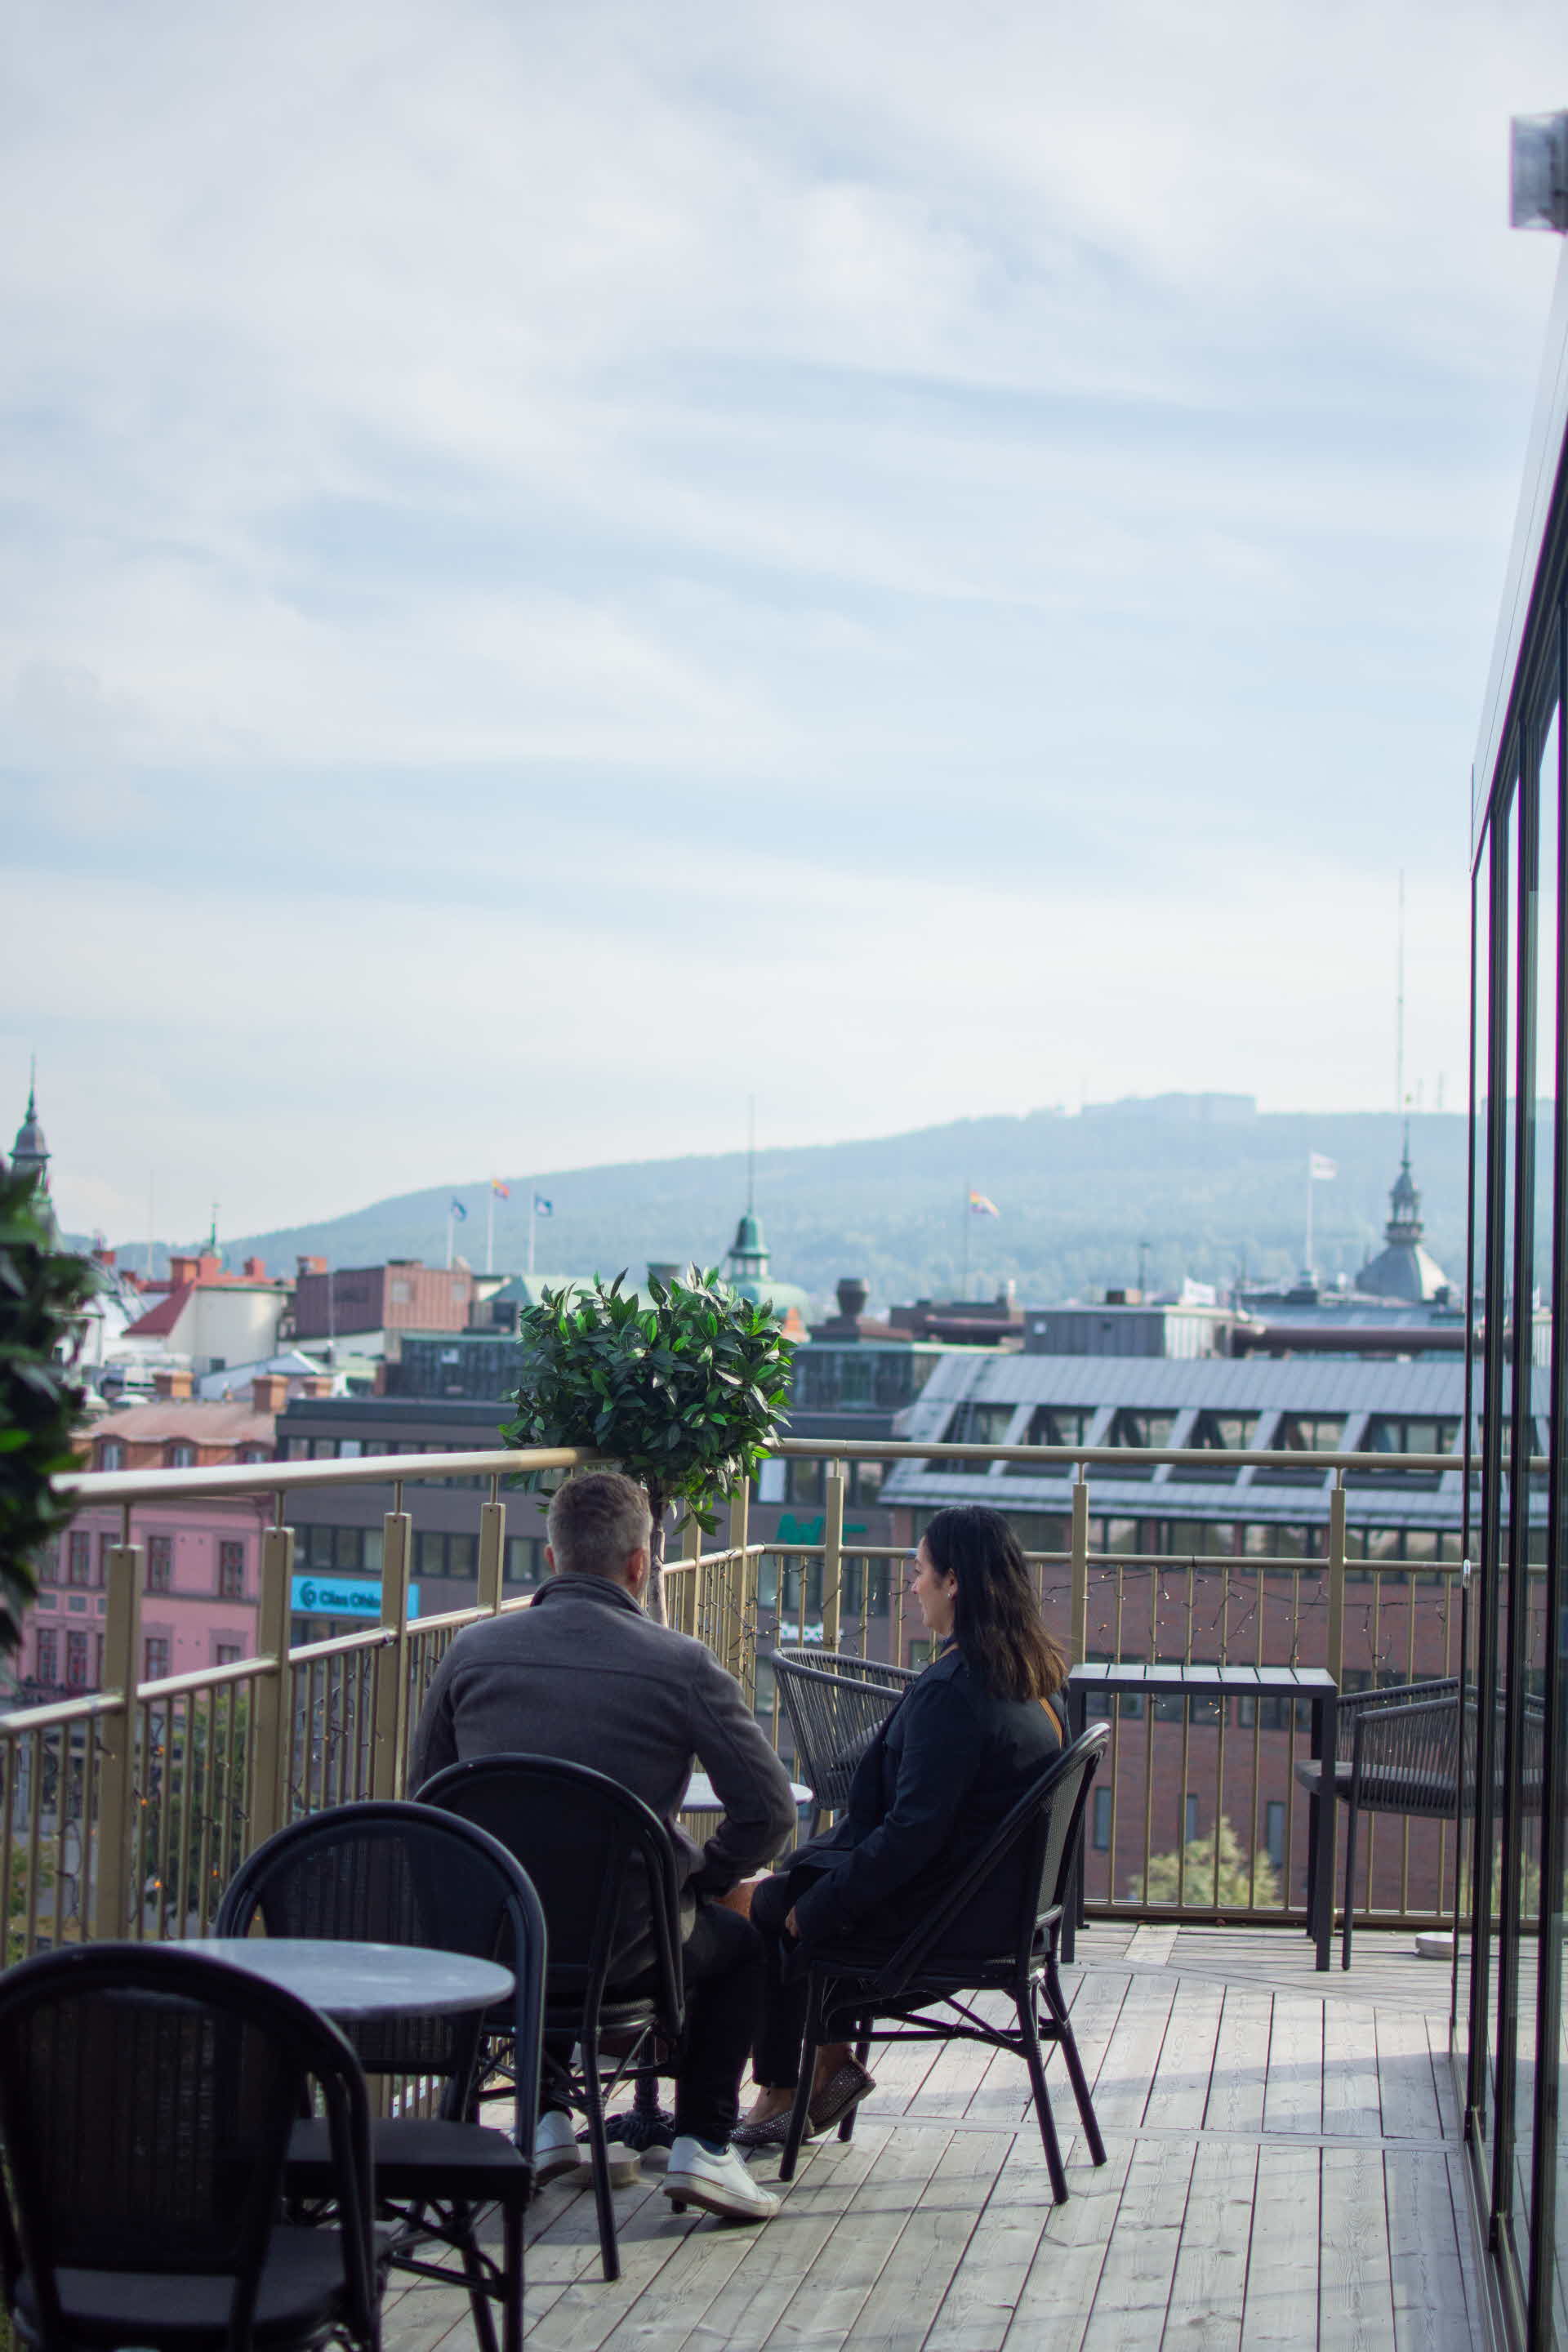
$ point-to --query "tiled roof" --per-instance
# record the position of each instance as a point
(159, 1320)
(170, 1418)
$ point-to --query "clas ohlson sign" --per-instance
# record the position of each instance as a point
(342, 1596)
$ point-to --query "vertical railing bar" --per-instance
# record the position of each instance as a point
(35, 1822)
(117, 1776)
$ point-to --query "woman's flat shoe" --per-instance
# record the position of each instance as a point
(773, 2132)
(842, 2090)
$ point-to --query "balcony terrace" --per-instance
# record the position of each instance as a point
(1284, 2161)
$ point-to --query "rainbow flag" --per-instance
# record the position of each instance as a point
(979, 1206)
(502, 1191)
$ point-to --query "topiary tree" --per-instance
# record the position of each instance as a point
(683, 1395)
(42, 1292)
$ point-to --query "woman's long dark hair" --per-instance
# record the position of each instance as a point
(995, 1617)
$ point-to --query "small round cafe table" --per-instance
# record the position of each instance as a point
(347, 1980)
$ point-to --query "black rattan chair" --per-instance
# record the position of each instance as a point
(386, 1873)
(587, 1844)
(147, 2096)
(835, 1705)
(851, 1986)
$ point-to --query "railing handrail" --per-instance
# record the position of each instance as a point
(414, 1469)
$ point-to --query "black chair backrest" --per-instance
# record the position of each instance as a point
(147, 2093)
(1040, 1838)
(390, 1872)
(601, 1860)
(835, 1711)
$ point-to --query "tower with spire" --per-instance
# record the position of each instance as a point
(746, 1266)
(1402, 1269)
(30, 1153)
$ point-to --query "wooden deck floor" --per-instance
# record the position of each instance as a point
(1282, 2172)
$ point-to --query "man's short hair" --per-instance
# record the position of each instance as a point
(596, 1521)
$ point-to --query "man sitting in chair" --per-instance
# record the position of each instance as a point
(586, 1675)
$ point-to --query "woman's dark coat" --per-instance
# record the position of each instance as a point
(945, 1768)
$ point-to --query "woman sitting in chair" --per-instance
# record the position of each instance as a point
(961, 1746)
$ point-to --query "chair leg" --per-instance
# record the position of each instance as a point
(1028, 2028)
(463, 2217)
(599, 2155)
(1056, 2002)
(1350, 1883)
(862, 2051)
(512, 2250)
(798, 2113)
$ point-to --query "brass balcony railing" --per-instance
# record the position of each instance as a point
(125, 1811)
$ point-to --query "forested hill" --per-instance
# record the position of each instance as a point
(1211, 1185)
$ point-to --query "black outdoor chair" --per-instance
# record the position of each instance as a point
(852, 1985)
(147, 2096)
(835, 1705)
(585, 1843)
(386, 1873)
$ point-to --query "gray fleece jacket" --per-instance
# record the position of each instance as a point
(585, 1674)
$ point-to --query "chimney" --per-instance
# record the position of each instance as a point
(319, 1384)
(269, 1392)
(103, 1255)
(183, 1269)
(311, 1264)
(171, 1386)
(852, 1297)
(255, 1269)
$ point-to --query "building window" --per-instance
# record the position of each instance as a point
(49, 1564)
(1103, 1820)
(76, 1660)
(79, 1559)
(110, 1454)
(524, 1559)
(231, 1571)
(1274, 1831)
(47, 1655)
(182, 1456)
(227, 1654)
(107, 1547)
(978, 1425)
(1190, 1810)
(399, 1291)
(1138, 1430)
(155, 1658)
(160, 1563)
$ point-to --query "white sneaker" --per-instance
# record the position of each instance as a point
(559, 2155)
(715, 2184)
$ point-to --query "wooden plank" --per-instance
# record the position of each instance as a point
(1350, 2102)
(1121, 2087)
(1059, 2294)
(1209, 2288)
(1427, 2275)
(1294, 2100)
(827, 2304)
(1151, 1945)
(1134, 2290)
(1179, 2092)
(778, 2256)
(977, 2309)
(1355, 2300)
(586, 2312)
(1405, 2082)
(1239, 2079)
(913, 2283)
(1280, 2313)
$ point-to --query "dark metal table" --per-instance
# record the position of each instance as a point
(348, 1980)
(1314, 1684)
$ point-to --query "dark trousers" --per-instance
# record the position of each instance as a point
(776, 2057)
(722, 1964)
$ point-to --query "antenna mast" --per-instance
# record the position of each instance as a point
(751, 1155)
(1399, 1010)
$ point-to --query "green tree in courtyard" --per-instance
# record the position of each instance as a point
(42, 1293)
(683, 1394)
(1246, 1882)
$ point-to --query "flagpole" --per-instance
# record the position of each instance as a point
(964, 1278)
(490, 1229)
(451, 1231)
(1308, 1265)
(532, 1203)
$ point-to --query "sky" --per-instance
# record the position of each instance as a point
(564, 566)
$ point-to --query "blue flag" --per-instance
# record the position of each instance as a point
(457, 1209)
(541, 1207)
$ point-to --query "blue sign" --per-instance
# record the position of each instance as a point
(326, 1595)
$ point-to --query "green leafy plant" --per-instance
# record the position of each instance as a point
(683, 1395)
(42, 1293)
(1245, 1882)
